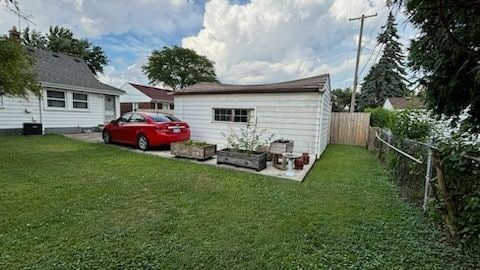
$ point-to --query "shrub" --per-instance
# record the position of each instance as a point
(411, 124)
(248, 139)
(380, 117)
(462, 180)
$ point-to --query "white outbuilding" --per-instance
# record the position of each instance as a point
(296, 110)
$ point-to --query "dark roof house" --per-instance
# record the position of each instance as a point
(155, 93)
(402, 103)
(72, 98)
(59, 70)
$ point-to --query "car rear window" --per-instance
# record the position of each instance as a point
(158, 117)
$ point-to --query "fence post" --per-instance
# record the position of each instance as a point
(427, 177)
(449, 213)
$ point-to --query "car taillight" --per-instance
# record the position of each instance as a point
(162, 128)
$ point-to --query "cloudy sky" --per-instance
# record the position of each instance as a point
(256, 41)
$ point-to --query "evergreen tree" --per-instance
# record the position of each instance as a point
(446, 54)
(387, 77)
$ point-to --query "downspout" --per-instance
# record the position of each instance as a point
(319, 135)
(40, 105)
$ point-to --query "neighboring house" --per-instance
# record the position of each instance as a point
(297, 110)
(402, 103)
(146, 98)
(72, 98)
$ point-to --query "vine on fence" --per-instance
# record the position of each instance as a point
(455, 201)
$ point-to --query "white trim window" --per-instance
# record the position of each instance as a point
(80, 101)
(56, 99)
(234, 115)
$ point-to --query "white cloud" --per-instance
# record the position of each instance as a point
(128, 29)
(276, 40)
(90, 18)
(132, 73)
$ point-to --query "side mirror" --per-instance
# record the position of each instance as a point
(114, 121)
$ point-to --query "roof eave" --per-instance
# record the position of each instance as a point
(83, 89)
(253, 91)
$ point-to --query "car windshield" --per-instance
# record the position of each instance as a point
(158, 117)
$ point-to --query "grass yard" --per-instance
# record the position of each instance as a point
(67, 204)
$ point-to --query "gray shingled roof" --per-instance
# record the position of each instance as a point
(311, 84)
(60, 68)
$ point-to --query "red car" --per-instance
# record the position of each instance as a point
(146, 130)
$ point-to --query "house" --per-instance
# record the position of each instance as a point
(146, 98)
(402, 103)
(72, 98)
(297, 110)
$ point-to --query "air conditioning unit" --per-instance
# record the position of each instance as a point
(32, 129)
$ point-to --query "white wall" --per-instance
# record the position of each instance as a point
(70, 117)
(326, 110)
(293, 116)
(133, 95)
(387, 105)
(16, 111)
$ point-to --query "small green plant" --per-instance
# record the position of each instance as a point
(195, 143)
(248, 139)
(380, 117)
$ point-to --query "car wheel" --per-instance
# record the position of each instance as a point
(106, 137)
(142, 142)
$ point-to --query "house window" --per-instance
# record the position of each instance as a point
(1, 101)
(172, 107)
(159, 106)
(232, 115)
(56, 99)
(80, 101)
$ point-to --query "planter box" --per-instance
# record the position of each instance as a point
(281, 146)
(198, 152)
(252, 160)
(265, 149)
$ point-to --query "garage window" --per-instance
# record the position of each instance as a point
(80, 101)
(232, 115)
(56, 99)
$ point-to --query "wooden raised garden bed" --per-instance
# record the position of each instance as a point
(193, 150)
(247, 159)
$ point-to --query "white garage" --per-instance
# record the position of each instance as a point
(297, 110)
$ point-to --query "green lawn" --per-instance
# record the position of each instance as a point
(67, 204)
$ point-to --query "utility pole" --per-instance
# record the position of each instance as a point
(355, 77)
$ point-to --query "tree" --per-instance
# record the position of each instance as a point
(446, 54)
(341, 99)
(60, 39)
(387, 77)
(178, 67)
(16, 70)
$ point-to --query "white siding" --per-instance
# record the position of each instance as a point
(132, 95)
(292, 116)
(16, 111)
(70, 117)
(325, 119)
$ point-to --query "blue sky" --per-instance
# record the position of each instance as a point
(257, 41)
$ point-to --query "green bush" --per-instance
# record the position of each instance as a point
(380, 117)
(462, 178)
(411, 124)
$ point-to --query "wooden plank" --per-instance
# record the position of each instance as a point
(349, 128)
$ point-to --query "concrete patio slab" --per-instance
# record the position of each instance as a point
(96, 137)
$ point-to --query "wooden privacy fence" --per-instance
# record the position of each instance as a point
(349, 128)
